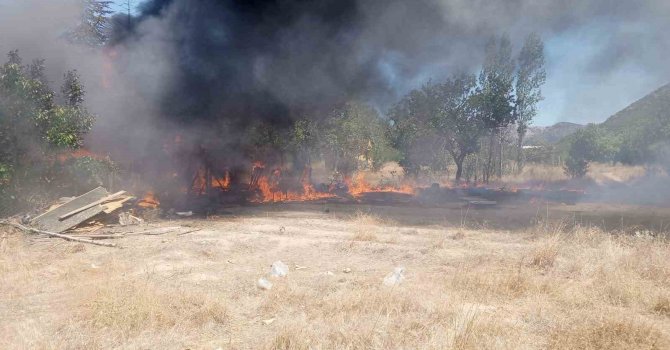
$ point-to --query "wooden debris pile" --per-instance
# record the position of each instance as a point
(90, 209)
(84, 219)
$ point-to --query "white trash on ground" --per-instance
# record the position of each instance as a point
(278, 269)
(395, 277)
(264, 284)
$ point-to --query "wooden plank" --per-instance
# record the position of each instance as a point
(114, 205)
(49, 220)
(54, 207)
(90, 205)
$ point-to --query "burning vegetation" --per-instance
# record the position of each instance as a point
(240, 118)
(325, 172)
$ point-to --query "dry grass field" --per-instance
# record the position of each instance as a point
(468, 284)
(599, 173)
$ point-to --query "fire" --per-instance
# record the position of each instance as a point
(271, 191)
(149, 201)
(359, 185)
(200, 182)
(222, 183)
(270, 187)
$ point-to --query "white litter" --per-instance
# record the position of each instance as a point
(278, 269)
(264, 284)
(395, 277)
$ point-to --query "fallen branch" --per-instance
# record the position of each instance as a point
(98, 236)
(156, 231)
(52, 234)
(189, 231)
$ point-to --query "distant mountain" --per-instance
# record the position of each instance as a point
(645, 121)
(649, 112)
(540, 135)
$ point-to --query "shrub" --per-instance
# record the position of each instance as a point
(576, 167)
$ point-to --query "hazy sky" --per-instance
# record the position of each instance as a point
(601, 54)
(597, 67)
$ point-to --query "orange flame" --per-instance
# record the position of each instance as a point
(149, 201)
(359, 185)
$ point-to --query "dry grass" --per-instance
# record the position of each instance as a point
(598, 172)
(129, 308)
(611, 332)
(543, 287)
(366, 226)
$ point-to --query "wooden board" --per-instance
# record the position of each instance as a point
(49, 220)
(115, 205)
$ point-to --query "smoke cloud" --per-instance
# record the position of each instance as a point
(194, 64)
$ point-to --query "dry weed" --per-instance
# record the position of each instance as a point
(132, 307)
(545, 252)
(459, 235)
(366, 226)
(608, 333)
(662, 305)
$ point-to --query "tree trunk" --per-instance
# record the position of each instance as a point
(500, 163)
(459, 168)
(520, 156)
(489, 162)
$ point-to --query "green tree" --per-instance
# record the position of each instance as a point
(32, 126)
(587, 145)
(72, 89)
(413, 133)
(303, 143)
(93, 28)
(354, 136)
(458, 121)
(531, 75)
(495, 98)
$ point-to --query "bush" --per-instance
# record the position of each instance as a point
(576, 167)
(84, 173)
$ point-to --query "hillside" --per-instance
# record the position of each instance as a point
(649, 111)
(638, 134)
(550, 134)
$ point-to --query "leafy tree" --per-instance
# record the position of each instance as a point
(33, 128)
(413, 133)
(576, 166)
(14, 58)
(72, 89)
(458, 121)
(303, 142)
(36, 71)
(354, 136)
(589, 144)
(93, 29)
(495, 98)
(531, 76)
